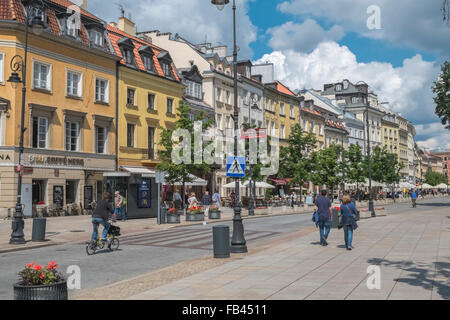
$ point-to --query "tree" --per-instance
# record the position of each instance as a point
(327, 167)
(356, 168)
(446, 11)
(377, 161)
(435, 178)
(442, 90)
(295, 159)
(392, 170)
(181, 173)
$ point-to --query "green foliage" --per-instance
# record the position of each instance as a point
(295, 159)
(356, 168)
(435, 178)
(181, 172)
(327, 167)
(385, 166)
(442, 90)
(255, 169)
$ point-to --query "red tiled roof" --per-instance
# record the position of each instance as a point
(66, 4)
(282, 88)
(336, 125)
(312, 111)
(116, 34)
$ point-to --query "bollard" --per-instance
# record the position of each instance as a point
(335, 219)
(221, 241)
(39, 225)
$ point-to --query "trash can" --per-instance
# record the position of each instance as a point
(335, 219)
(39, 225)
(221, 241)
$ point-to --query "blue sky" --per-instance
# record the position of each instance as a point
(313, 42)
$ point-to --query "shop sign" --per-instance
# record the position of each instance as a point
(5, 157)
(144, 195)
(56, 161)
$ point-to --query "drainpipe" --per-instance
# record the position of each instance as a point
(117, 116)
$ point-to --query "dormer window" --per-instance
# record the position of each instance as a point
(339, 87)
(166, 68)
(97, 38)
(166, 64)
(127, 55)
(127, 49)
(71, 28)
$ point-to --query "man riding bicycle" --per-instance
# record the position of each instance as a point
(101, 216)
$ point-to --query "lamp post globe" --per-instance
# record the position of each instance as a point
(220, 4)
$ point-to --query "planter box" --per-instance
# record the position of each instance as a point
(56, 291)
(192, 217)
(365, 214)
(173, 218)
(380, 212)
(214, 215)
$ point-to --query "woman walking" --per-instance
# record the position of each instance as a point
(348, 212)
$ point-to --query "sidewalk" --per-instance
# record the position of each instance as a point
(60, 230)
(412, 250)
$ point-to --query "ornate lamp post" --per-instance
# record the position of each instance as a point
(238, 243)
(19, 64)
(371, 208)
(251, 202)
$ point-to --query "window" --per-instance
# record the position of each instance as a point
(267, 125)
(166, 69)
(282, 109)
(219, 121)
(304, 125)
(97, 38)
(320, 129)
(273, 128)
(101, 90)
(283, 132)
(151, 143)
(127, 55)
(338, 87)
(245, 97)
(219, 94)
(41, 76)
(313, 127)
(71, 25)
(355, 99)
(71, 191)
(151, 102)
(291, 113)
(245, 119)
(40, 129)
(229, 122)
(148, 62)
(169, 105)
(130, 135)
(38, 191)
(228, 97)
(72, 133)
(100, 139)
(130, 96)
(74, 84)
(2, 68)
(191, 117)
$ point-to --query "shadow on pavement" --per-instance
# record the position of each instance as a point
(433, 204)
(419, 277)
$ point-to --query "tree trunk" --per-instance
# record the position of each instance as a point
(184, 197)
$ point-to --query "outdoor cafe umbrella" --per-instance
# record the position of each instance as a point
(259, 184)
(442, 186)
(427, 186)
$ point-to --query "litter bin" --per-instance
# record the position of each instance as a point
(221, 241)
(39, 225)
(335, 219)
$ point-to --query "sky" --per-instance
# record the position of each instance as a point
(397, 47)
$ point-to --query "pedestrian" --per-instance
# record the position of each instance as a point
(348, 213)
(414, 198)
(119, 206)
(293, 199)
(206, 202)
(192, 201)
(323, 207)
(340, 196)
(233, 198)
(216, 199)
(177, 199)
(101, 216)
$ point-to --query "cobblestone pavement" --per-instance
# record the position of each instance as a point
(412, 250)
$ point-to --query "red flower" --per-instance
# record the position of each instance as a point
(42, 276)
(38, 268)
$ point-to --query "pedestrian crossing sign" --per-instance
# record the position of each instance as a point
(236, 167)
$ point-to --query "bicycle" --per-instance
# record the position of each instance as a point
(112, 241)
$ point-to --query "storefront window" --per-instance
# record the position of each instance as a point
(38, 192)
(71, 191)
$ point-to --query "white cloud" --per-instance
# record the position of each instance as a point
(416, 24)
(193, 19)
(302, 36)
(407, 88)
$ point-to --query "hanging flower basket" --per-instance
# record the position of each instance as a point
(41, 283)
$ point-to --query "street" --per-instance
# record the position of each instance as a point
(147, 252)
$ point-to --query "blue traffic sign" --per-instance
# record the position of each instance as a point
(236, 167)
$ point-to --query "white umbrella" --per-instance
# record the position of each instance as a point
(246, 184)
(442, 186)
(196, 181)
(427, 186)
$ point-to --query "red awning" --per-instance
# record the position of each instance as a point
(279, 182)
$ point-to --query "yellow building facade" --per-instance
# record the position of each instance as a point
(69, 113)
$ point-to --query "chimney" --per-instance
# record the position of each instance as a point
(84, 5)
(127, 26)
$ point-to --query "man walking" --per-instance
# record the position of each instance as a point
(216, 199)
(414, 198)
(206, 202)
(322, 205)
(119, 205)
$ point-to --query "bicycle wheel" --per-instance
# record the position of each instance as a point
(91, 249)
(114, 245)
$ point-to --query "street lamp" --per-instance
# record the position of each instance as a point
(19, 64)
(251, 202)
(371, 208)
(238, 243)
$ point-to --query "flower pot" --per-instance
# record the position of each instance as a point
(57, 291)
(214, 215)
(173, 218)
(195, 217)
